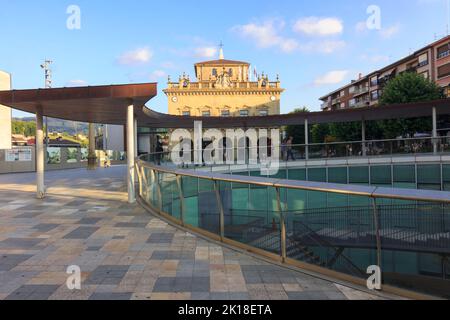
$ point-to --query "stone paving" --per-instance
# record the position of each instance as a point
(124, 252)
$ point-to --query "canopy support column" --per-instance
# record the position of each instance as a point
(40, 158)
(306, 139)
(435, 133)
(363, 138)
(136, 152)
(131, 153)
(92, 158)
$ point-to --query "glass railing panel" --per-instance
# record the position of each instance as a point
(170, 195)
(429, 177)
(446, 176)
(337, 238)
(257, 226)
(415, 242)
(202, 210)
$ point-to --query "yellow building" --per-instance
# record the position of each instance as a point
(223, 89)
(5, 114)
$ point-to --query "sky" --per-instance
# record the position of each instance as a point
(314, 46)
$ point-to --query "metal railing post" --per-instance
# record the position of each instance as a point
(144, 180)
(282, 226)
(158, 191)
(180, 192)
(376, 220)
(221, 212)
(137, 168)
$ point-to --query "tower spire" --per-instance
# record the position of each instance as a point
(221, 55)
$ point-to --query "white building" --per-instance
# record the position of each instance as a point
(5, 114)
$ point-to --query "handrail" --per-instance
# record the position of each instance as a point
(354, 190)
(366, 142)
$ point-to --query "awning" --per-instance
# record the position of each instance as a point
(99, 104)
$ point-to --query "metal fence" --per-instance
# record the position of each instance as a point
(405, 232)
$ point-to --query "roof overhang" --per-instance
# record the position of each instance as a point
(99, 104)
(399, 111)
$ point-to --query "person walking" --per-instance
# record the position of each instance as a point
(290, 151)
(159, 150)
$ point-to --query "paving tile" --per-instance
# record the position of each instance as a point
(82, 233)
(125, 253)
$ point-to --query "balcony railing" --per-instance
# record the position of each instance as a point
(360, 91)
(210, 85)
(444, 54)
(340, 229)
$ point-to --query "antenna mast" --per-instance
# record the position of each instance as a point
(48, 85)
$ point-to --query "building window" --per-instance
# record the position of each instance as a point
(342, 93)
(374, 95)
(264, 113)
(186, 113)
(244, 113)
(423, 59)
(374, 81)
(352, 102)
(230, 72)
(206, 114)
(443, 51)
(342, 105)
(444, 70)
(214, 72)
(225, 113)
(352, 89)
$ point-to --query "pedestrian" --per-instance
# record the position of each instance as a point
(283, 150)
(290, 151)
(159, 150)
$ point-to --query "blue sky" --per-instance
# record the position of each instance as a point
(315, 46)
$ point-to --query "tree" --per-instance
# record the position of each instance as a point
(320, 133)
(28, 129)
(297, 131)
(408, 87)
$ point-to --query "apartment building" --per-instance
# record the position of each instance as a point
(432, 61)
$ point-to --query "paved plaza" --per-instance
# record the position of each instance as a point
(123, 251)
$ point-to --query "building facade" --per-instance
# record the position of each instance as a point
(432, 62)
(5, 114)
(223, 89)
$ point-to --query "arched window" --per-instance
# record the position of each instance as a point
(214, 72)
(230, 72)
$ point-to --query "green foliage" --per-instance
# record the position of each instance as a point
(320, 133)
(406, 88)
(28, 129)
(297, 131)
(410, 87)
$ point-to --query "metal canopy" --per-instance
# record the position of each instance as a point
(100, 104)
(409, 110)
(108, 105)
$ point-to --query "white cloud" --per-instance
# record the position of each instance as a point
(205, 52)
(325, 47)
(157, 74)
(389, 32)
(267, 35)
(332, 77)
(313, 26)
(137, 56)
(76, 83)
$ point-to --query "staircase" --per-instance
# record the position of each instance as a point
(294, 250)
